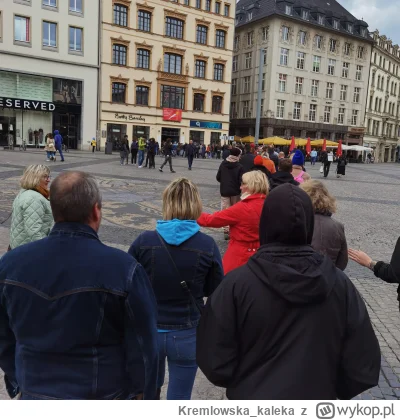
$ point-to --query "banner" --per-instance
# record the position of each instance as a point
(171, 114)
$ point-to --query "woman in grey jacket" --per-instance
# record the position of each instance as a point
(328, 238)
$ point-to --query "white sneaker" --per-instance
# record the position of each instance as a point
(140, 167)
(47, 160)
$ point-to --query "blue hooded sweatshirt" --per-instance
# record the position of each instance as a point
(57, 138)
(175, 232)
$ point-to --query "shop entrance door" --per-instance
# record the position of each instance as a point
(69, 127)
(170, 133)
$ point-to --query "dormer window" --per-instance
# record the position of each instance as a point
(304, 14)
(335, 24)
(363, 32)
(249, 15)
(350, 28)
(320, 19)
(288, 10)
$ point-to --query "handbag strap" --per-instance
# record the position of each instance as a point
(183, 283)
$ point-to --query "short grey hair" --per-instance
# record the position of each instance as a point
(73, 196)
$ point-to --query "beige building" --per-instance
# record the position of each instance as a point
(49, 65)
(382, 117)
(314, 72)
(166, 69)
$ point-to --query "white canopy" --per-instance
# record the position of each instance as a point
(357, 148)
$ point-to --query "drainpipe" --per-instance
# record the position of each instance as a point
(100, 44)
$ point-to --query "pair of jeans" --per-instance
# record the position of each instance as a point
(168, 159)
(190, 160)
(179, 349)
(50, 155)
(141, 157)
(313, 160)
(59, 150)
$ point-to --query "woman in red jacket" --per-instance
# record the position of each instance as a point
(243, 219)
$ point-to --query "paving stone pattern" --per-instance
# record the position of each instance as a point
(368, 206)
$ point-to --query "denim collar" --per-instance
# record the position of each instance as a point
(73, 229)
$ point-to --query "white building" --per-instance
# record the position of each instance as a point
(49, 65)
(314, 73)
(382, 117)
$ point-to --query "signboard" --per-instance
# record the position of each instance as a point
(206, 124)
(171, 114)
(223, 137)
(129, 117)
(231, 138)
(357, 130)
(26, 104)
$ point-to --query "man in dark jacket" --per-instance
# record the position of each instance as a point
(284, 174)
(134, 150)
(247, 160)
(190, 152)
(87, 327)
(288, 324)
(273, 156)
(168, 156)
(227, 151)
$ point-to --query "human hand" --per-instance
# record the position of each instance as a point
(360, 257)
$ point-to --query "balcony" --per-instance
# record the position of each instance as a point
(172, 77)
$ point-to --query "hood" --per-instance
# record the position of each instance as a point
(282, 177)
(299, 275)
(56, 132)
(230, 165)
(175, 232)
(287, 217)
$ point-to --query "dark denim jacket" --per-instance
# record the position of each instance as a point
(199, 263)
(77, 319)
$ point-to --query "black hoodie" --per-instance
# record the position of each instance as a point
(280, 178)
(288, 325)
(230, 177)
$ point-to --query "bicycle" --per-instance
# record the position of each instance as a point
(22, 146)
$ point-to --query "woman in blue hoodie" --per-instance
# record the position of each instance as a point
(184, 266)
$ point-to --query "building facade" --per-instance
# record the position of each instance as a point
(314, 71)
(49, 68)
(166, 69)
(382, 119)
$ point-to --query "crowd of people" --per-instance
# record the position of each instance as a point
(104, 324)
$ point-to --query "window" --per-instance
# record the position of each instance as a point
(142, 95)
(359, 72)
(235, 63)
(50, 3)
(49, 34)
(218, 72)
(144, 21)
(316, 64)
(208, 5)
(304, 14)
(226, 10)
(354, 117)
(248, 60)
(331, 67)
(349, 28)
(217, 7)
(172, 63)
(246, 84)
(300, 60)
(265, 33)
(216, 105)
(312, 115)
(201, 36)
(262, 107)
(299, 85)
(75, 38)
(265, 56)
(220, 38)
(335, 24)
(288, 10)
(186, 2)
(250, 38)
(356, 97)
(118, 92)
(332, 45)
(360, 52)
(318, 41)
(120, 15)
(143, 59)
(282, 78)
(314, 88)
(284, 58)
(250, 15)
(236, 43)
(22, 29)
(345, 70)
(327, 114)
(75, 6)
(198, 4)
(343, 92)
(321, 20)
(280, 108)
(347, 48)
(234, 87)
(119, 54)
(198, 102)
(174, 28)
(233, 113)
(297, 111)
(200, 69)
(329, 90)
(263, 82)
(245, 109)
(302, 37)
(172, 97)
(285, 34)
(341, 116)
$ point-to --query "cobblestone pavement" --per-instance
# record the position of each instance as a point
(368, 205)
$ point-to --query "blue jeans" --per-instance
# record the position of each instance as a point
(141, 157)
(313, 160)
(179, 348)
(59, 150)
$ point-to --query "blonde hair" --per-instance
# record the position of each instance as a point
(322, 201)
(33, 175)
(181, 200)
(256, 182)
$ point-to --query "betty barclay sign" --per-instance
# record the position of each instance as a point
(26, 104)
(129, 117)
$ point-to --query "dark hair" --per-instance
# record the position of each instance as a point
(235, 151)
(285, 165)
(72, 197)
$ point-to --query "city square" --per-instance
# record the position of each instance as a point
(368, 205)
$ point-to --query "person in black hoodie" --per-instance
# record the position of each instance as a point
(288, 324)
(190, 152)
(168, 156)
(247, 160)
(284, 174)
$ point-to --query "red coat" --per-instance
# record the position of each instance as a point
(243, 220)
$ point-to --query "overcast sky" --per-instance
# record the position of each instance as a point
(379, 14)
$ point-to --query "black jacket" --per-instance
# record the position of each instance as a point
(280, 178)
(226, 153)
(190, 150)
(167, 149)
(247, 161)
(274, 159)
(288, 324)
(230, 177)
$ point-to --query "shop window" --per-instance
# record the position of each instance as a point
(220, 36)
(143, 59)
(76, 6)
(22, 29)
(200, 69)
(219, 72)
(119, 54)
(49, 34)
(174, 27)
(118, 92)
(172, 97)
(201, 35)
(144, 21)
(120, 15)
(172, 63)
(142, 95)
(75, 39)
(217, 104)
(198, 102)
